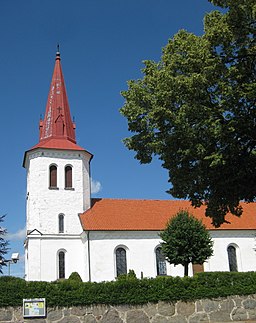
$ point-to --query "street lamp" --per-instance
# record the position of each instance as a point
(15, 257)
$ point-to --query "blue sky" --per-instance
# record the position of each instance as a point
(102, 44)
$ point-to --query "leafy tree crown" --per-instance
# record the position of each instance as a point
(3, 244)
(195, 110)
(185, 240)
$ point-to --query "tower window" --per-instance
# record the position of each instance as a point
(232, 260)
(68, 177)
(61, 223)
(61, 264)
(53, 176)
(121, 265)
(160, 262)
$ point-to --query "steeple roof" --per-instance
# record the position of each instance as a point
(57, 121)
(57, 130)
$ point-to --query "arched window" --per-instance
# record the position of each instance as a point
(232, 260)
(53, 176)
(61, 223)
(61, 264)
(160, 262)
(121, 265)
(68, 177)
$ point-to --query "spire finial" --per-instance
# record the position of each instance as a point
(58, 52)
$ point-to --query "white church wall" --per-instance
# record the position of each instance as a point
(245, 244)
(33, 260)
(43, 204)
(44, 252)
(86, 182)
(140, 251)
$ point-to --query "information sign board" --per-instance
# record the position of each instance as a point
(34, 307)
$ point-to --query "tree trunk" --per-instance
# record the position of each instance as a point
(186, 269)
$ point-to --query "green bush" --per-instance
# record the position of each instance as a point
(131, 275)
(75, 277)
(128, 290)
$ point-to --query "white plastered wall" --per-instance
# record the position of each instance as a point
(243, 240)
(140, 250)
(44, 251)
(44, 206)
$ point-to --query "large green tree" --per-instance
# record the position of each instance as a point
(186, 240)
(196, 110)
(3, 244)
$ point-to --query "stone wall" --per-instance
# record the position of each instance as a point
(232, 309)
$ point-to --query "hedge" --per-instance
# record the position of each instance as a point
(128, 290)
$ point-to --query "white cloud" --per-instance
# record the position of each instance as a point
(95, 186)
(19, 235)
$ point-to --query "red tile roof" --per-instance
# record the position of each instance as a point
(57, 144)
(118, 214)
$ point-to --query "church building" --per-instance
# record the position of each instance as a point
(68, 231)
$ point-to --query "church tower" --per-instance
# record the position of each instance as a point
(58, 190)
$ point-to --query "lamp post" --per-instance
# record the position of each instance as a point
(15, 257)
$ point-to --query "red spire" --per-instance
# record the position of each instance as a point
(57, 131)
(57, 123)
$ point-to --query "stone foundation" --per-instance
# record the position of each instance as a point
(232, 309)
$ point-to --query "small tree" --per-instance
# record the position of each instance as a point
(186, 240)
(3, 244)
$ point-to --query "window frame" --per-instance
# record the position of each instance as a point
(68, 177)
(232, 263)
(61, 268)
(61, 226)
(159, 261)
(53, 176)
(117, 260)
